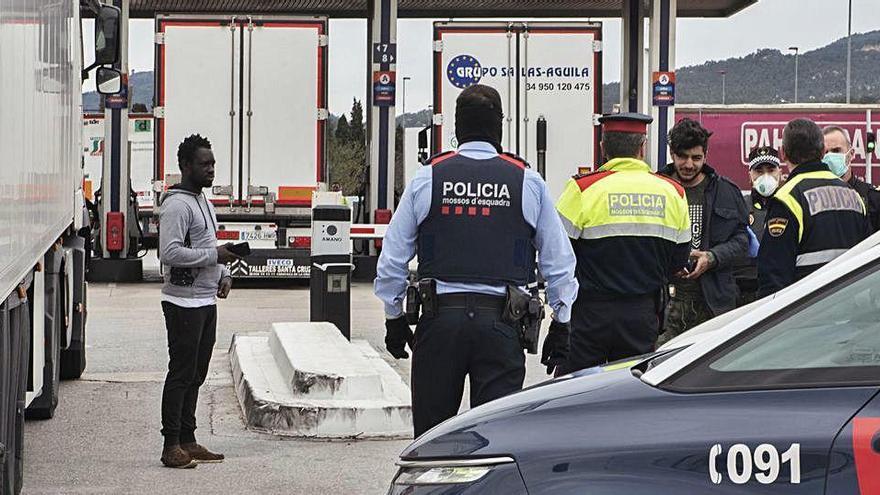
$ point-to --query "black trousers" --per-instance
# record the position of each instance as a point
(605, 329)
(191, 336)
(461, 340)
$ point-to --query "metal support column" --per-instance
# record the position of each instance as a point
(632, 70)
(115, 173)
(114, 265)
(382, 52)
(662, 58)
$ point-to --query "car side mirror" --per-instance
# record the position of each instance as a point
(107, 41)
(108, 81)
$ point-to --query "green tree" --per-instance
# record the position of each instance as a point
(399, 163)
(343, 130)
(347, 154)
(356, 124)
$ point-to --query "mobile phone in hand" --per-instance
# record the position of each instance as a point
(241, 249)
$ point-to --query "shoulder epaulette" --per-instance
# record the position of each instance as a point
(439, 157)
(587, 174)
(514, 159)
(584, 181)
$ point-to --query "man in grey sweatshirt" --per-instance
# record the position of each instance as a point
(195, 276)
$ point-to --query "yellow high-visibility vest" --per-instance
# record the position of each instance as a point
(624, 198)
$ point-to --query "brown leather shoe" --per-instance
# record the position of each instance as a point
(176, 457)
(201, 454)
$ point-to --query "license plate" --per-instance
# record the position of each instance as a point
(257, 235)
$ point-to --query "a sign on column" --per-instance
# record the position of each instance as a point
(384, 53)
(117, 101)
(664, 89)
(384, 88)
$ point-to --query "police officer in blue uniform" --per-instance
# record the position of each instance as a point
(475, 218)
(812, 219)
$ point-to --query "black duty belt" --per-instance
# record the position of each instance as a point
(470, 300)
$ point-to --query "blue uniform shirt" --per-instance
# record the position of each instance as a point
(555, 255)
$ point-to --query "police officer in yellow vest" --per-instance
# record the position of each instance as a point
(630, 230)
(812, 219)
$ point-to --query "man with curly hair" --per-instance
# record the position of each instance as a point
(195, 276)
(719, 216)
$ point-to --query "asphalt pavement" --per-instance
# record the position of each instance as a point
(105, 436)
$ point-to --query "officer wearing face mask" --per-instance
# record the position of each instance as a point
(765, 174)
(812, 219)
(838, 156)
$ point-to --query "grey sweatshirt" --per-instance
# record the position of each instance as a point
(191, 268)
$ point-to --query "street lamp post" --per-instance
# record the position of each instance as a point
(723, 86)
(849, 53)
(405, 79)
(795, 50)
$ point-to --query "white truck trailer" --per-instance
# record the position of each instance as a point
(549, 78)
(255, 86)
(45, 235)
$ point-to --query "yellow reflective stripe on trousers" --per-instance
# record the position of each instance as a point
(818, 257)
(637, 229)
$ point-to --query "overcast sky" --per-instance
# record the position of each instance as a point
(809, 24)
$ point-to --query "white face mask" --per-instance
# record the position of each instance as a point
(766, 185)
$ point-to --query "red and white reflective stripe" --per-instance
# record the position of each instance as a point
(368, 230)
(865, 430)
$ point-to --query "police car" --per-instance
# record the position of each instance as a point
(777, 397)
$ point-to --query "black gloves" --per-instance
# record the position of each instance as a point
(397, 335)
(556, 346)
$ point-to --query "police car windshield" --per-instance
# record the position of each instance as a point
(840, 330)
(828, 338)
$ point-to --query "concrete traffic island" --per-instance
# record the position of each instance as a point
(307, 380)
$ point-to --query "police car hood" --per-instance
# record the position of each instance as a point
(532, 417)
(603, 403)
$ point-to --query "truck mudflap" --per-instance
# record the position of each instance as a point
(273, 264)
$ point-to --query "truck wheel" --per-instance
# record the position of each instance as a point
(18, 461)
(7, 407)
(14, 354)
(12, 475)
(11, 458)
